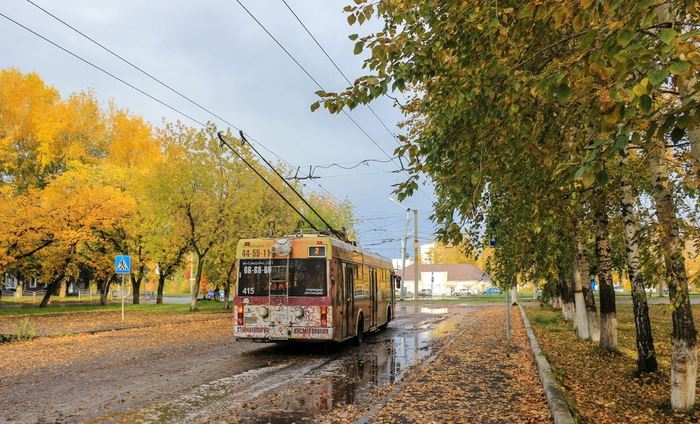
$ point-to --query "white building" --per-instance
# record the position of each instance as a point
(445, 279)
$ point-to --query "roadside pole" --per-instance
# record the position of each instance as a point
(404, 251)
(416, 259)
(122, 266)
(123, 296)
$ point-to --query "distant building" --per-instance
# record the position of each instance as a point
(445, 279)
(12, 282)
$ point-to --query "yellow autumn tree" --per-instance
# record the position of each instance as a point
(79, 211)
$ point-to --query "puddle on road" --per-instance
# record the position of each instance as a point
(347, 381)
(435, 311)
(307, 388)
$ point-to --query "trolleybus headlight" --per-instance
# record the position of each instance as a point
(324, 316)
(298, 313)
(263, 312)
(240, 314)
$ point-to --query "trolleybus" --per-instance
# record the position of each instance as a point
(310, 287)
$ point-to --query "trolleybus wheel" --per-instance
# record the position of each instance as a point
(360, 331)
(388, 318)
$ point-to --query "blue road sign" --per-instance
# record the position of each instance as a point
(122, 264)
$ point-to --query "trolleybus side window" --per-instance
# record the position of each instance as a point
(361, 283)
(350, 273)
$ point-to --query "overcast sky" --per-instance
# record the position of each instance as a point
(215, 53)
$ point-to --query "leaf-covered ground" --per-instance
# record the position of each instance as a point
(72, 320)
(604, 387)
(80, 377)
(476, 379)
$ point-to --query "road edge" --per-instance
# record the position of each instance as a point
(555, 396)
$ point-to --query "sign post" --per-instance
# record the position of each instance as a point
(122, 266)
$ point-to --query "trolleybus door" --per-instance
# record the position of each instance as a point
(373, 296)
(278, 295)
(348, 306)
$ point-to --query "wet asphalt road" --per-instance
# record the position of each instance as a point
(309, 380)
(306, 381)
(205, 378)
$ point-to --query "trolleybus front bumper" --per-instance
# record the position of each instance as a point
(282, 333)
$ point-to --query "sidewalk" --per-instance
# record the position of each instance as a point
(474, 380)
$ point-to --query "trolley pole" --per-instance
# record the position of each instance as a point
(404, 252)
(416, 259)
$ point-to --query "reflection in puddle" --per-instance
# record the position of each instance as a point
(299, 390)
(348, 381)
(436, 311)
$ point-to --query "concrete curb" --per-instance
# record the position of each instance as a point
(555, 396)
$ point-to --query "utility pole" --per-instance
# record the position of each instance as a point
(404, 253)
(416, 259)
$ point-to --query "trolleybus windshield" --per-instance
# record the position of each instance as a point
(307, 277)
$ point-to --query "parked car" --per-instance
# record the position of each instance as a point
(425, 293)
(211, 294)
(653, 290)
(618, 288)
(463, 292)
(492, 290)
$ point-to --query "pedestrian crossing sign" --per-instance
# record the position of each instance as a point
(122, 264)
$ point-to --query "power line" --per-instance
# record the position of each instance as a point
(139, 90)
(142, 71)
(354, 174)
(308, 74)
(103, 70)
(337, 67)
(158, 80)
(128, 84)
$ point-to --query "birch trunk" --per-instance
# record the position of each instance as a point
(646, 356)
(556, 296)
(581, 319)
(567, 296)
(608, 313)
(684, 361)
(588, 295)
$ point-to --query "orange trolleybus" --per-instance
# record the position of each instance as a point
(312, 288)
